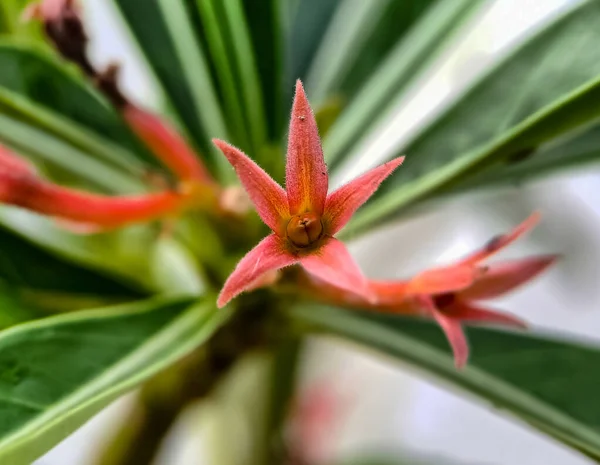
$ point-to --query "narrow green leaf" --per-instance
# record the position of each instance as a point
(46, 392)
(548, 382)
(266, 32)
(166, 36)
(14, 310)
(124, 255)
(230, 89)
(348, 31)
(240, 45)
(30, 72)
(29, 268)
(104, 150)
(495, 119)
(574, 150)
(400, 17)
(308, 22)
(41, 146)
(418, 43)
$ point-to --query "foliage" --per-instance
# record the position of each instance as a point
(226, 69)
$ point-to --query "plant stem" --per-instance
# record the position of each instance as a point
(163, 398)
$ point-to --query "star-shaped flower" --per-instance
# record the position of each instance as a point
(449, 294)
(304, 217)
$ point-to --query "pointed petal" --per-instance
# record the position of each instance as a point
(268, 255)
(81, 207)
(456, 338)
(499, 242)
(453, 331)
(467, 312)
(268, 196)
(334, 264)
(306, 178)
(343, 202)
(168, 146)
(442, 280)
(504, 277)
(265, 280)
(390, 293)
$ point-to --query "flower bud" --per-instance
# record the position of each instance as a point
(304, 229)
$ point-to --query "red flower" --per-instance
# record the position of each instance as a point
(303, 218)
(166, 144)
(85, 212)
(451, 294)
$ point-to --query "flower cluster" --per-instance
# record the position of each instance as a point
(304, 218)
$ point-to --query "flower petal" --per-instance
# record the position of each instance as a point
(444, 279)
(343, 202)
(391, 294)
(306, 178)
(504, 277)
(14, 164)
(268, 196)
(268, 255)
(467, 312)
(334, 264)
(168, 146)
(499, 242)
(453, 331)
(81, 207)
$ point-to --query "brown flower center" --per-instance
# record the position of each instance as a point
(304, 230)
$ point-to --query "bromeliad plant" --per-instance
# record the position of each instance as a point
(177, 314)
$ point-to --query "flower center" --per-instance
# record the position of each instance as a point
(305, 229)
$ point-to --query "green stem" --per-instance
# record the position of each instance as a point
(284, 373)
(164, 397)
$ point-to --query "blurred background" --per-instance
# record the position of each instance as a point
(384, 408)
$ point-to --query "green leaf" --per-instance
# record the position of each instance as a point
(224, 28)
(10, 19)
(237, 36)
(266, 31)
(362, 34)
(27, 267)
(13, 308)
(126, 255)
(399, 19)
(423, 35)
(43, 147)
(308, 21)
(58, 372)
(576, 149)
(550, 383)
(494, 119)
(23, 110)
(348, 32)
(49, 90)
(165, 34)
(230, 88)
